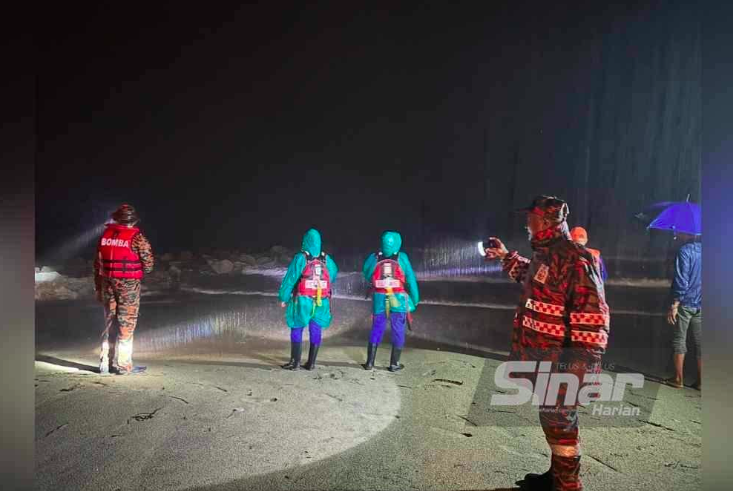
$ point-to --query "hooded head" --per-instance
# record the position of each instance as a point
(391, 243)
(312, 242)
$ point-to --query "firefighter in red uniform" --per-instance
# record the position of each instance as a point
(562, 318)
(123, 257)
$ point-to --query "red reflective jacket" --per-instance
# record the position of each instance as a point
(563, 300)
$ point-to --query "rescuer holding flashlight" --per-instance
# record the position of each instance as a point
(123, 257)
(562, 318)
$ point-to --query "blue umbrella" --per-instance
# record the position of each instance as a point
(678, 217)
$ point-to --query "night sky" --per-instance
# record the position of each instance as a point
(242, 127)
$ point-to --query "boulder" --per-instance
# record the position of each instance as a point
(248, 260)
(54, 291)
(82, 287)
(64, 293)
(167, 257)
(47, 276)
(158, 276)
(221, 254)
(222, 267)
(234, 256)
(185, 256)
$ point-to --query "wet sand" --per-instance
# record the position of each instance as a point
(237, 421)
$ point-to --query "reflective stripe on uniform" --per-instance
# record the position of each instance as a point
(513, 271)
(565, 450)
(590, 319)
(388, 283)
(557, 330)
(124, 353)
(545, 308)
(589, 337)
(315, 284)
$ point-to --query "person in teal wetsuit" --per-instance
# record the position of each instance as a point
(395, 296)
(305, 293)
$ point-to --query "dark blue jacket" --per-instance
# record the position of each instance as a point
(687, 283)
(602, 265)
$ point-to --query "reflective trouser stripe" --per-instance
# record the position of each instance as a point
(565, 450)
(124, 353)
(104, 356)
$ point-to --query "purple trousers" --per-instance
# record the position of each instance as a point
(379, 324)
(314, 331)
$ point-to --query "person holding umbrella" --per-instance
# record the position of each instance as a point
(685, 312)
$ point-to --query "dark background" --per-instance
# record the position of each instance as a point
(240, 127)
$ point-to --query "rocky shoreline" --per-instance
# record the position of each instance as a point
(74, 279)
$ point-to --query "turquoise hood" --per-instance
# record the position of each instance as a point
(391, 243)
(312, 242)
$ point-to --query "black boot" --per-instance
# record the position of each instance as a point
(312, 355)
(394, 363)
(135, 371)
(295, 351)
(371, 355)
(537, 482)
